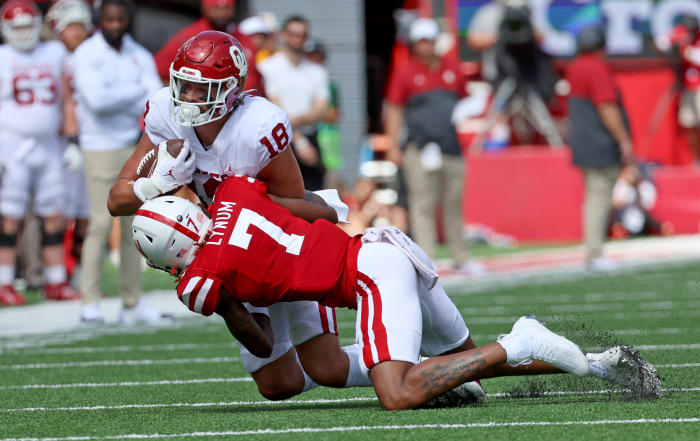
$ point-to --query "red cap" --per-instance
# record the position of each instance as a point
(209, 3)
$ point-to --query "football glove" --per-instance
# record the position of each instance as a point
(169, 173)
(73, 156)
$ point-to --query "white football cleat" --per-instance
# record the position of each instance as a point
(547, 347)
(621, 365)
(143, 314)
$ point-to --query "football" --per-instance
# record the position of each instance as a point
(148, 162)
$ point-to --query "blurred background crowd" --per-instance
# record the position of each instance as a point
(491, 120)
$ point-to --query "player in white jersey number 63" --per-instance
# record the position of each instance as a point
(231, 132)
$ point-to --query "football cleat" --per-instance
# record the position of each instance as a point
(10, 297)
(91, 315)
(623, 366)
(61, 291)
(470, 393)
(548, 347)
(143, 314)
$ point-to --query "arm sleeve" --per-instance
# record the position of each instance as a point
(396, 93)
(274, 135)
(150, 81)
(103, 97)
(155, 126)
(461, 80)
(323, 88)
(199, 292)
(602, 86)
(267, 77)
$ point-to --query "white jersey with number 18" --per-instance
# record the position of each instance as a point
(256, 132)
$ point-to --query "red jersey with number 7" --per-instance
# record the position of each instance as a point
(259, 253)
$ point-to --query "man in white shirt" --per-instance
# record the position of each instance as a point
(301, 88)
(114, 76)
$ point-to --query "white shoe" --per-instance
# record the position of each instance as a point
(544, 346)
(471, 268)
(91, 315)
(143, 313)
(621, 365)
(602, 265)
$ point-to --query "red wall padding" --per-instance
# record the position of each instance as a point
(535, 194)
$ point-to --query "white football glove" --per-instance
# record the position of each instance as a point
(73, 157)
(170, 173)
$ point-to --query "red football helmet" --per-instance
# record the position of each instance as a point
(21, 24)
(217, 60)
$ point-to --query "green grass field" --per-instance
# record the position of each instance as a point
(186, 382)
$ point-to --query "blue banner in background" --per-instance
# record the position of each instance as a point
(631, 24)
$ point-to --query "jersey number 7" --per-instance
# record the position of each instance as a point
(240, 237)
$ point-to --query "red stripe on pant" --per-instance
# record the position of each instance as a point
(364, 315)
(380, 338)
(323, 313)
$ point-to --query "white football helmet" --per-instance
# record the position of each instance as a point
(64, 12)
(166, 231)
(20, 24)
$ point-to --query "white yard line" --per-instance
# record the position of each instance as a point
(128, 383)
(349, 340)
(683, 305)
(628, 315)
(82, 334)
(196, 360)
(273, 403)
(484, 425)
(161, 405)
(677, 365)
(126, 348)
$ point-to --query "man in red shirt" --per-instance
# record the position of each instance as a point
(254, 250)
(217, 15)
(422, 95)
(685, 39)
(599, 138)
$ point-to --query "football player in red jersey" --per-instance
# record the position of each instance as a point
(230, 132)
(255, 251)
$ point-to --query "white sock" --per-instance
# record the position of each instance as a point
(309, 383)
(7, 274)
(55, 274)
(356, 377)
(517, 347)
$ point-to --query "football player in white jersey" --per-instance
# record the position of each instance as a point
(30, 146)
(230, 132)
(71, 22)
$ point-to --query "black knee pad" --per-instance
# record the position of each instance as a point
(51, 239)
(7, 240)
